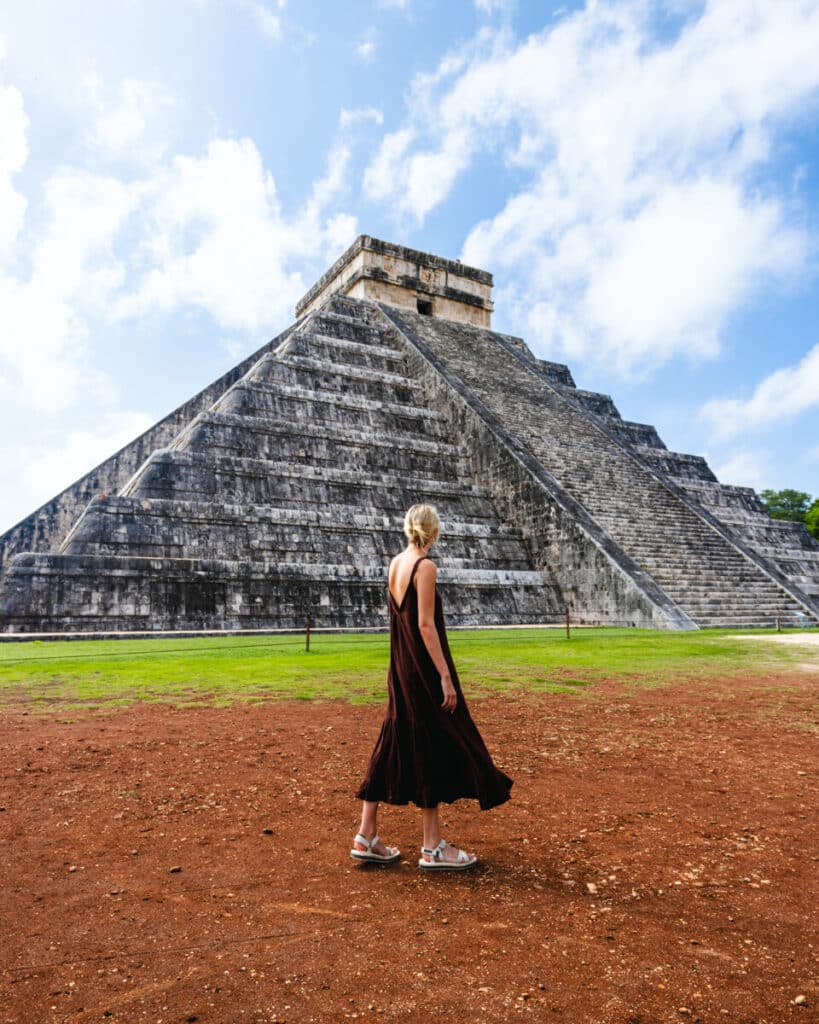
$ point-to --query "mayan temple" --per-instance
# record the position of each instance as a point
(278, 492)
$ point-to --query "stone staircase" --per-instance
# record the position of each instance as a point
(696, 565)
(786, 545)
(286, 498)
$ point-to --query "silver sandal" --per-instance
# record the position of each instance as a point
(461, 863)
(370, 854)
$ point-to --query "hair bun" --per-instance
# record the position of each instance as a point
(420, 524)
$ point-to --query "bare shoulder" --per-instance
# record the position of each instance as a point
(427, 569)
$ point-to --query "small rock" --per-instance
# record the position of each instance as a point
(267, 831)
(800, 1000)
(134, 853)
(174, 870)
(592, 888)
(684, 1011)
(72, 868)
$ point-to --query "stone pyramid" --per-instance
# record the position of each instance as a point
(278, 493)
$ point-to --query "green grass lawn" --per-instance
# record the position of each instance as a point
(353, 666)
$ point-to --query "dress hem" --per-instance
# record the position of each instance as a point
(403, 802)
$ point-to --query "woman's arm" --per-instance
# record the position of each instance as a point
(425, 577)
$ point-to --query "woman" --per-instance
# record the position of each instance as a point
(429, 750)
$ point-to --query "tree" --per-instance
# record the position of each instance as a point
(812, 518)
(787, 504)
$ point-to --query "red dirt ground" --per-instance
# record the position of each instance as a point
(180, 865)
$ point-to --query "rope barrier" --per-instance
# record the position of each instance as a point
(295, 641)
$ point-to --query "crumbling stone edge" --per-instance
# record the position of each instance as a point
(730, 536)
(47, 526)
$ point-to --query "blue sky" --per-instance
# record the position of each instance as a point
(641, 178)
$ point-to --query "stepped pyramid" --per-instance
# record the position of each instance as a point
(278, 492)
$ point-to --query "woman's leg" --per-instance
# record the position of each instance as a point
(432, 835)
(369, 814)
(432, 827)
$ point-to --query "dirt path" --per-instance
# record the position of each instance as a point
(791, 639)
(657, 863)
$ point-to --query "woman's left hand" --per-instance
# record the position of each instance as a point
(450, 696)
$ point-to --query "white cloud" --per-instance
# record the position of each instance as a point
(215, 236)
(130, 126)
(359, 115)
(672, 273)
(268, 23)
(206, 232)
(780, 397)
(379, 177)
(43, 316)
(489, 7)
(639, 226)
(217, 239)
(13, 156)
(49, 472)
(366, 49)
(746, 469)
(310, 222)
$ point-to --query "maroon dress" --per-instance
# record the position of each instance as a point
(425, 754)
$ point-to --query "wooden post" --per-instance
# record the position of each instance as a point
(307, 636)
(778, 621)
(568, 628)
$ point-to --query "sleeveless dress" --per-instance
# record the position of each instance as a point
(424, 754)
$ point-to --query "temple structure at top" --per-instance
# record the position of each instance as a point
(277, 494)
(407, 279)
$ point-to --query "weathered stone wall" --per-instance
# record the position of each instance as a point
(405, 298)
(380, 271)
(280, 491)
(82, 593)
(788, 556)
(46, 527)
(598, 582)
(712, 575)
(285, 498)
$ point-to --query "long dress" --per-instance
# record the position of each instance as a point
(423, 753)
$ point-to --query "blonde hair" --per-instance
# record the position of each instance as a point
(420, 523)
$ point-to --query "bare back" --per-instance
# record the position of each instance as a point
(399, 574)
